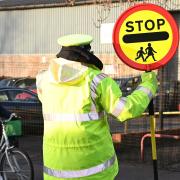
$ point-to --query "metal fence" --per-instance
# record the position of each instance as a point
(132, 132)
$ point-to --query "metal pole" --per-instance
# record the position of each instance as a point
(161, 100)
(153, 139)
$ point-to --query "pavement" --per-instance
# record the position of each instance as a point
(128, 171)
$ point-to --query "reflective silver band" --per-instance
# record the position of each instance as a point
(145, 90)
(80, 173)
(96, 80)
(119, 107)
(92, 116)
(93, 86)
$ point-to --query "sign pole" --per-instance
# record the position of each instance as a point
(153, 139)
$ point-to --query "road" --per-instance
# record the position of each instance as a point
(128, 171)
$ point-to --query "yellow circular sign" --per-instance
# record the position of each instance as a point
(145, 52)
(145, 37)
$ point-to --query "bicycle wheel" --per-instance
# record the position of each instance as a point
(21, 163)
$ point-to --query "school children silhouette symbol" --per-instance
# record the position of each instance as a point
(150, 52)
(140, 54)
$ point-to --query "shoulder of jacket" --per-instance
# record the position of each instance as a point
(99, 78)
(93, 71)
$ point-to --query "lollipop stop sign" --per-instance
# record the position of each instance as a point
(145, 37)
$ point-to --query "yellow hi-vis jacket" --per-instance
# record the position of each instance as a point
(77, 144)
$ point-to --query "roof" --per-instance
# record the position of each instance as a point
(13, 4)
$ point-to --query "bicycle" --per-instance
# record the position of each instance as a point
(14, 163)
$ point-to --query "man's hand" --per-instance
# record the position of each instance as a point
(150, 77)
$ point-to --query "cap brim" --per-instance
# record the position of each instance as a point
(75, 40)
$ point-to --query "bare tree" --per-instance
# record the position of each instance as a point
(104, 7)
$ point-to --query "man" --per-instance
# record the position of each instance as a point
(75, 97)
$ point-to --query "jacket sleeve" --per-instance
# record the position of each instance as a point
(124, 108)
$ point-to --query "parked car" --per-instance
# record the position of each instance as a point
(24, 82)
(29, 83)
(25, 104)
(7, 82)
(18, 82)
(33, 88)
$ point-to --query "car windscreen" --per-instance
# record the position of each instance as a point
(17, 95)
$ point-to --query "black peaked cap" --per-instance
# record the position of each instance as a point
(79, 54)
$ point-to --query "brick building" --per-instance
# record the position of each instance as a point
(29, 31)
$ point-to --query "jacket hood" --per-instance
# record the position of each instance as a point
(65, 71)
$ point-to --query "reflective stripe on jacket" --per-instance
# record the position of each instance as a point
(77, 143)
